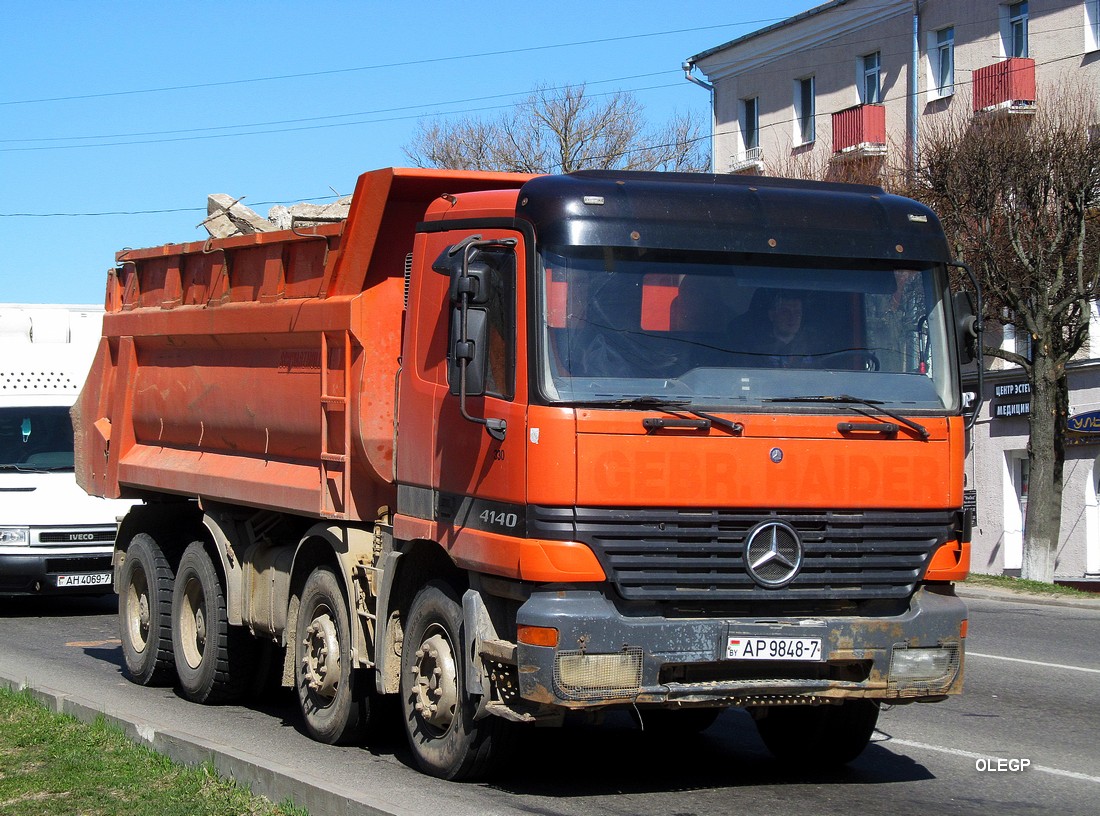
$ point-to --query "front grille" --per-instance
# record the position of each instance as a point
(106, 536)
(662, 554)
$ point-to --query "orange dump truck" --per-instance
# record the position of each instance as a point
(512, 446)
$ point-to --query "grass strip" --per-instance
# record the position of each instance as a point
(1024, 585)
(52, 763)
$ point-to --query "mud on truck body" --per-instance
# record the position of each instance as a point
(509, 447)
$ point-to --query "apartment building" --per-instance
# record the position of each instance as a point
(843, 90)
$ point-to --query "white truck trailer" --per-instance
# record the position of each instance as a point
(54, 538)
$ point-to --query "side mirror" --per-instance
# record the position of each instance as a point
(476, 283)
(471, 350)
(967, 327)
(468, 352)
(968, 335)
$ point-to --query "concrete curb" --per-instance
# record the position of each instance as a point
(1014, 596)
(276, 782)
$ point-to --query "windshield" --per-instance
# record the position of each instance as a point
(741, 332)
(38, 438)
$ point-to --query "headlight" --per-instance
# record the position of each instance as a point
(10, 536)
(924, 670)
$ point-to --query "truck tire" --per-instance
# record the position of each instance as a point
(145, 613)
(333, 708)
(831, 735)
(437, 712)
(213, 659)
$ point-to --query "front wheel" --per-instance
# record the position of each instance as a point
(145, 612)
(437, 712)
(821, 734)
(333, 710)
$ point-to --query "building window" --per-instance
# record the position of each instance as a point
(750, 122)
(804, 110)
(1092, 25)
(941, 58)
(870, 79)
(1014, 29)
(1017, 477)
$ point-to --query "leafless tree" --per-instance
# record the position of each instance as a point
(556, 130)
(1018, 196)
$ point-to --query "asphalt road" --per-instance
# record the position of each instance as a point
(1022, 739)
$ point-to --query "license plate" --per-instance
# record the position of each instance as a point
(84, 579)
(773, 648)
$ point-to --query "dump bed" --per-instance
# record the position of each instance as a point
(261, 369)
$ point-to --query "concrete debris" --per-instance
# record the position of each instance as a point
(308, 215)
(229, 217)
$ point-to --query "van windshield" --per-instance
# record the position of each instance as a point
(741, 332)
(39, 438)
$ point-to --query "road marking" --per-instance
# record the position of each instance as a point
(93, 644)
(1034, 662)
(971, 755)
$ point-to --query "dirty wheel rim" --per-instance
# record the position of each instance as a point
(193, 623)
(321, 661)
(137, 609)
(435, 680)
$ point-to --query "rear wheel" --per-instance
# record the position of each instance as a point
(145, 612)
(213, 659)
(438, 713)
(332, 707)
(821, 734)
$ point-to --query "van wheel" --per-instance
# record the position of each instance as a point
(334, 710)
(145, 613)
(831, 735)
(437, 712)
(213, 659)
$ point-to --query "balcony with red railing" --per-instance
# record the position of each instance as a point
(1006, 85)
(860, 131)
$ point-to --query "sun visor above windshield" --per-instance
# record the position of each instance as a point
(744, 214)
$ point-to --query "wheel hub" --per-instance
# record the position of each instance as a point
(322, 656)
(435, 682)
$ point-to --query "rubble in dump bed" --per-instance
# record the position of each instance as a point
(227, 216)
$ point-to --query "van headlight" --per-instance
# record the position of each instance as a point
(14, 536)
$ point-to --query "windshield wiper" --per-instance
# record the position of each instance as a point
(671, 404)
(26, 468)
(847, 399)
(638, 402)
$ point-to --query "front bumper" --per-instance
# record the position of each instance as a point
(605, 657)
(55, 570)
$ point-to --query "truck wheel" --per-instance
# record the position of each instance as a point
(821, 734)
(437, 712)
(145, 612)
(212, 657)
(333, 708)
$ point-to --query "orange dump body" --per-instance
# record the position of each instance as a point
(261, 369)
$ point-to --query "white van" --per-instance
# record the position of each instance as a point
(54, 538)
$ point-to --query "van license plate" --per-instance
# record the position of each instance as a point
(773, 648)
(84, 579)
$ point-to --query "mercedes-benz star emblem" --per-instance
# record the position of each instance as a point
(773, 554)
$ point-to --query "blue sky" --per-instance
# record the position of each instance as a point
(117, 119)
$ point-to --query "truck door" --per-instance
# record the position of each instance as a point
(477, 480)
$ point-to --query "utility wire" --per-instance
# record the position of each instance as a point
(314, 118)
(379, 66)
